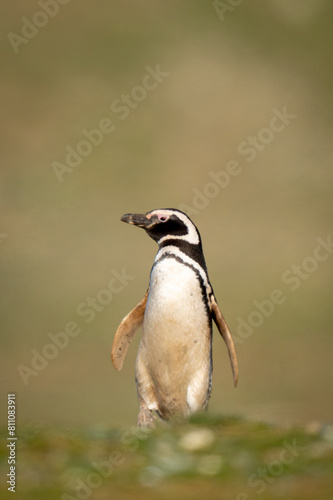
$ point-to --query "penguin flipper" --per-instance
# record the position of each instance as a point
(126, 331)
(226, 335)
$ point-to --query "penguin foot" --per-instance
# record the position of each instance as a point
(145, 418)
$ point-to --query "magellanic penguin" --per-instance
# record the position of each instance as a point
(174, 362)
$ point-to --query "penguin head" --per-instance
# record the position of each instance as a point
(165, 224)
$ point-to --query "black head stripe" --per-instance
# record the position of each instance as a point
(173, 227)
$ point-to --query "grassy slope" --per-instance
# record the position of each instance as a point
(210, 456)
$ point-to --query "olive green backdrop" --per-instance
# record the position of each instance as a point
(223, 111)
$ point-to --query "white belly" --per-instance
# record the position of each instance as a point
(175, 349)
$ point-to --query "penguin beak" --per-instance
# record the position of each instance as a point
(140, 220)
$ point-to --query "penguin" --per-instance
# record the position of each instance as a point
(173, 370)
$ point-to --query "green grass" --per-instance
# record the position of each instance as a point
(212, 456)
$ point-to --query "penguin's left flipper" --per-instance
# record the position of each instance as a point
(126, 331)
(226, 335)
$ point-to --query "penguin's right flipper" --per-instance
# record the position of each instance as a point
(126, 331)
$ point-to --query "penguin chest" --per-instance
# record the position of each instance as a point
(175, 312)
(176, 340)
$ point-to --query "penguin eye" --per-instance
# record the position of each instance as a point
(163, 218)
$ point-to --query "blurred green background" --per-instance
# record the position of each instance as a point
(62, 241)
